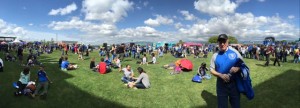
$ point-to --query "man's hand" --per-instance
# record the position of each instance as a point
(234, 69)
(225, 77)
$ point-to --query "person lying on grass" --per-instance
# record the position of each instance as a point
(142, 82)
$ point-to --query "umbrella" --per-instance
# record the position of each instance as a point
(3, 42)
(187, 64)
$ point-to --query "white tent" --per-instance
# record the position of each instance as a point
(16, 41)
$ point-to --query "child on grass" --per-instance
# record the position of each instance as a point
(43, 82)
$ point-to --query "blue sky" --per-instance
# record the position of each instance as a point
(97, 21)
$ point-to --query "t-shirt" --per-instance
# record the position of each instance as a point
(144, 79)
(127, 73)
(24, 79)
(102, 68)
(222, 62)
(144, 60)
(153, 60)
(42, 76)
(65, 64)
(118, 62)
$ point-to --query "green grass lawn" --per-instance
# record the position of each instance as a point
(276, 87)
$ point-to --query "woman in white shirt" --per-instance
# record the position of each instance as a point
(153, 59)
(23, 81)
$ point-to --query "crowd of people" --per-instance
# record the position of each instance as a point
(113, 58)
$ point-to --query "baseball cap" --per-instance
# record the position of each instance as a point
(222, 37)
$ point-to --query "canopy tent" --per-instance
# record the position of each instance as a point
(3, 42)
(188, 44)
(16, 41)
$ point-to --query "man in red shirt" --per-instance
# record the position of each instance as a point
(102, 67)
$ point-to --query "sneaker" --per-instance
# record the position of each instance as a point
(135, 88)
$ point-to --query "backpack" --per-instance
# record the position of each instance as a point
(197, 79)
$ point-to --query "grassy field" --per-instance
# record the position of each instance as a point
(276, 87)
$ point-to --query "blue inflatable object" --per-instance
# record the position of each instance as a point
(197, 79)
(15, 85)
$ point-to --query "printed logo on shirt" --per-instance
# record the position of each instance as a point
(232, 56)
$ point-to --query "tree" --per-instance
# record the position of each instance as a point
(232, 40)
(214, 39)
(181, 42)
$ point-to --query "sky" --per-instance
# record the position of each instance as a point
(117, 21)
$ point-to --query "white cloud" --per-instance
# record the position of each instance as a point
(261, 0)
(11, 29)
(215, 7)
(244, 26)
(30, 24)
(187, 15)
(160, 20)
(91, 29)
(241, 1)
(109, 11)
(291, 16)
(146, 3)
(63, 11)
(139, 8)
(178, 25)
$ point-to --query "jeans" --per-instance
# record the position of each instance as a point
(43, 85)
(225, 90)
(140, 85)
(126, 80)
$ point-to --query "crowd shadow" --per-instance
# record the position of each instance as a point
(60, 94)
(262, 65)
(281, 91)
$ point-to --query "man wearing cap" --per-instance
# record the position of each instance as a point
(223, 65)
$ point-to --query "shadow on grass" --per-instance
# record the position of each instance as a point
(61, 93)
(281, 91)
(260, 65)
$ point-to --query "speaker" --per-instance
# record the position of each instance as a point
(131, 44)
(105, 46)
(166, 45)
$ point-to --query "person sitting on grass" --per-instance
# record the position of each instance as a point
(43, 82)
(102, 67)
(153, 59)
(65, 65)
(30, 62)
(144, 60)
(128, 74)
(117, 63)
(142, 82)
(92, 63)
(10, 57)
(107, 60)
(23, 81)
(202, 71)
